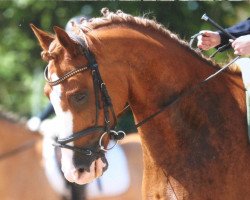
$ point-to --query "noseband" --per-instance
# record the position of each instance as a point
(99, 89)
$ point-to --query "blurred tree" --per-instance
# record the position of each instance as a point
(21, 67)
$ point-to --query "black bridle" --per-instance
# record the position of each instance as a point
(100, 90)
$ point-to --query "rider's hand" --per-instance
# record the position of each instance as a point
(208, 40)
(242, 45)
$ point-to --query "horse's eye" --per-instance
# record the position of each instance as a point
(79, 98)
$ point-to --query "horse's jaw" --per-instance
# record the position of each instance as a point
(81, 177)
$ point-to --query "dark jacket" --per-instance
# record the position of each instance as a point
(240, 29)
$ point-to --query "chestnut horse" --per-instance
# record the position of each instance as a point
(21, 171)
(194, 140)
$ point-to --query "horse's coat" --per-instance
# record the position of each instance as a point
(197, 148)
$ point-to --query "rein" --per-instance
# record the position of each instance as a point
(185, 93)
(17, 150)
(220, 49)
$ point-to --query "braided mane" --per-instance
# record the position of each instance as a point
(119, 17)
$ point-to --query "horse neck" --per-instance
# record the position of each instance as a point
(148, 70)
(155, 67)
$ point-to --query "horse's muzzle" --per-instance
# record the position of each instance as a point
(83, 162)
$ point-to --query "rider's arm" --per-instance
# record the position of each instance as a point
(240, 29)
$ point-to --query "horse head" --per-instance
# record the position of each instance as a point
(80, 98)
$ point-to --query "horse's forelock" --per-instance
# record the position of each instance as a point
(55, 48)
(46, 56)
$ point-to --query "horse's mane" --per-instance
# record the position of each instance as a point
(119, 17)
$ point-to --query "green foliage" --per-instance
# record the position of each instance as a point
(21, 67)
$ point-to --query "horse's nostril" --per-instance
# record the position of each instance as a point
(82, 162)
(81, 170)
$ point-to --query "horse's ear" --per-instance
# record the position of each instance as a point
(44, 38)
(64, 39)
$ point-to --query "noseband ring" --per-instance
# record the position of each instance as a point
(115, 134)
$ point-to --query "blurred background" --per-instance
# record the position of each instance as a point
(21, 68)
